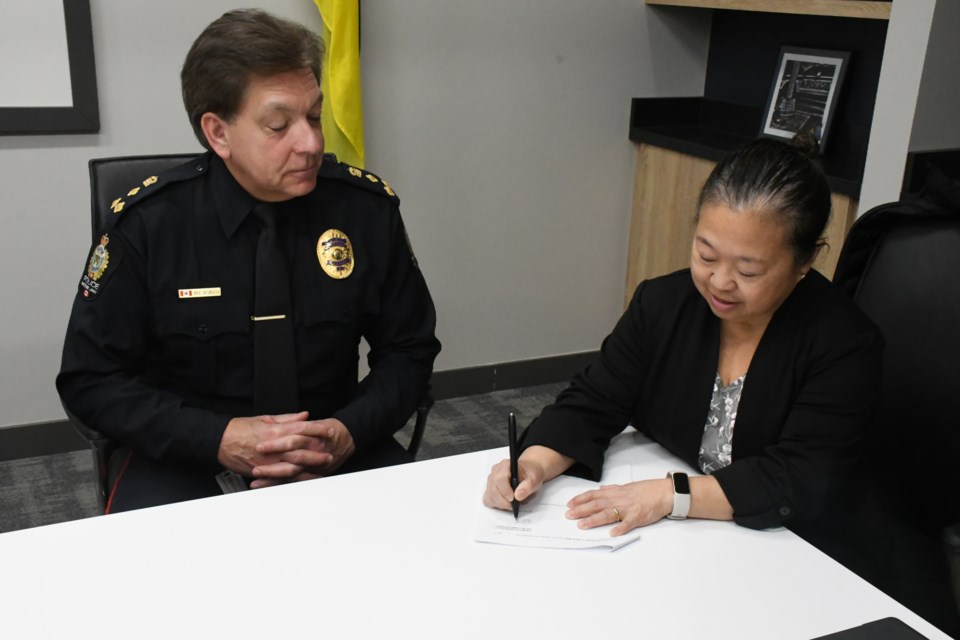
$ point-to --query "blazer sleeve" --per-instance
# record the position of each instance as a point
(792, 477)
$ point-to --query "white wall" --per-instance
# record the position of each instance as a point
(502, 124)
(936, 123)
(917, 97)
(904, 54)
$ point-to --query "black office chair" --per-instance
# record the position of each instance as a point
(111, 178)
(901, 263)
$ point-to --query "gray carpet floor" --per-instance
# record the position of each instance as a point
(58, 488)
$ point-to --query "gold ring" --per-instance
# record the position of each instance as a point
(619, 517)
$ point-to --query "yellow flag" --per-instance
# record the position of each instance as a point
(342, 119)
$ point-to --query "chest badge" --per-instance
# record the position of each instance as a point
(335, 254)
(99, 259)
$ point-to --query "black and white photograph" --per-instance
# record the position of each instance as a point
(804, 92)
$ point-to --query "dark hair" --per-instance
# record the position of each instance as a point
(233, 48)
(778, 179)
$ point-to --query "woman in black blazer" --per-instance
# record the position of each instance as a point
(749, 365)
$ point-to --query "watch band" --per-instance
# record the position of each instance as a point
(681, 495)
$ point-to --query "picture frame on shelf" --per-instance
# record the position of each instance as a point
(804, 92)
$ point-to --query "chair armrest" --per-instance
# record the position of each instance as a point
(423, 410)
(951, 544)
(101, 447)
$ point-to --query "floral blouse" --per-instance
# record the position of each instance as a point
(716, 445)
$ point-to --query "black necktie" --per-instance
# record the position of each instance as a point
(274, 353)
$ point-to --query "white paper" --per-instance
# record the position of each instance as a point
(543, 522)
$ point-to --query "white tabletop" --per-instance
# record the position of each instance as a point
(390, 554)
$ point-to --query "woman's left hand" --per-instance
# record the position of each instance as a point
(635, 505)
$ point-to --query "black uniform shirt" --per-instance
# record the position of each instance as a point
(159, 348)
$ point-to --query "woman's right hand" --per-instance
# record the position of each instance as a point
(499, 494)
(535, 466)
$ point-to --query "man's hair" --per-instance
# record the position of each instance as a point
(234, 48)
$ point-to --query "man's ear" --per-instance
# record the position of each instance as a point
(215, 130)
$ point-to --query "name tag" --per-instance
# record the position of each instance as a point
(207, 292)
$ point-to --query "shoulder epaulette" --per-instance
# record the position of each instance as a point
(336, 170)
(156, 183)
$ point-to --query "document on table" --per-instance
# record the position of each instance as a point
(543, 522)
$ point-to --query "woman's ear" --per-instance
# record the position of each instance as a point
(822, 245)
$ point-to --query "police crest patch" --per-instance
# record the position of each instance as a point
(99, 259)
(335, 254)
(100, 265)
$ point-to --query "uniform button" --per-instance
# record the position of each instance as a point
(784, 511)
(203, 330)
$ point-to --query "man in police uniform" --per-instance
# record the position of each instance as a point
(164, 351)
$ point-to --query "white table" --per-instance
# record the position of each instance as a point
(390, 554)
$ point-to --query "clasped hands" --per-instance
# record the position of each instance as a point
(284, 448)
(629, 506)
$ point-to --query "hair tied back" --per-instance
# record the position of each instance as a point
(805, 141)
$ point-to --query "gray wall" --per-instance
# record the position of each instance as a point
(936, 123)
(917, 97)
(502, 125)
(904, 58)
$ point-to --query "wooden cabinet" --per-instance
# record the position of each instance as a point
(666, 190)
(679, 140)
(838, 8)
(665, 194)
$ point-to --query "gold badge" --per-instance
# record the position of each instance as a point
(133, 192)
(372, 178)
(149, 181)
(388, 189)
(99, 259)
(356, 173)
(335, 254)
(117, 205)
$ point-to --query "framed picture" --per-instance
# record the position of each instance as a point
(48, 81)
(804, 92)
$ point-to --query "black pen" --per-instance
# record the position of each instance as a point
(514, 472)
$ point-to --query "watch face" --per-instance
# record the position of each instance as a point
(681, 484)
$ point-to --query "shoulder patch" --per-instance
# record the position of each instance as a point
(152, 184)
(101, 264)
(336, 170)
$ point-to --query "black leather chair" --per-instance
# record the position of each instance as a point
(901, 263)
(111, 178)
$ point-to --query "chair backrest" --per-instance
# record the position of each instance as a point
(901, 263)
(113, 177)
(109, 179)
(908, 282)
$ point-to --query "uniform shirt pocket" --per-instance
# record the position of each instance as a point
(327, 336)
(206, 345)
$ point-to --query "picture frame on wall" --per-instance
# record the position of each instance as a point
(48, 80)
(804, 92)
